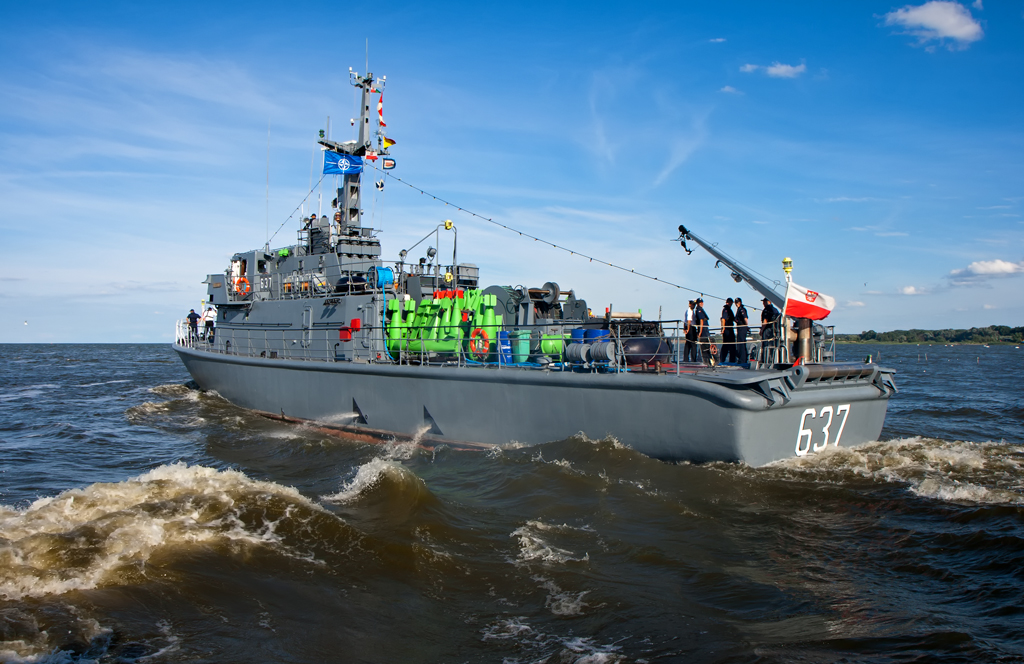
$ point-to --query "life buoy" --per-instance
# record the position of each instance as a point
(479, 344)
(239, 283)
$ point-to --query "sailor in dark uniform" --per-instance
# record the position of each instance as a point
(193, 324)
(769, 316)
(742, 329)
(728, 351)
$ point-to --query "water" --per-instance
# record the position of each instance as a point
(143, 521)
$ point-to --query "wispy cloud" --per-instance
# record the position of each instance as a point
(717, 40)
(682, 146)
(892, 234)
(730, 90)
(938, 21)
(776, 69)
(911, 290)
(854, 303)
(846, 199)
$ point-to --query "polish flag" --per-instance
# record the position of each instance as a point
(380, 110)
(803, 303)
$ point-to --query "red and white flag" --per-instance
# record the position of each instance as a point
(804, 303)
(380, 110)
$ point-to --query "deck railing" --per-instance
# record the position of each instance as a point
(550, 346)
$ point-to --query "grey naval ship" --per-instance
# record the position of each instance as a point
(323, 331)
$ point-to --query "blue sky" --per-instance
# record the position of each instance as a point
(881, 146)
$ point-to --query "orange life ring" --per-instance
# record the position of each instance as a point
(479, 344)
(238, 286)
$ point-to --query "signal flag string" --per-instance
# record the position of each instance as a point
(537, 239)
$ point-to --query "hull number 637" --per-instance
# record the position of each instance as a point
(826, 415)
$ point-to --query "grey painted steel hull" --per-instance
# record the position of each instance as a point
(670, 417)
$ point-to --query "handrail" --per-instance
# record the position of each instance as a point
(373, 345)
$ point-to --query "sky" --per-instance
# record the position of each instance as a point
(878, 145)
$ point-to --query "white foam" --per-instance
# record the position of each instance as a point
(367, 476)
(955, 471)
(81, 538)
(534, 548)
(105, 382)
(561, 602)
(506, 629)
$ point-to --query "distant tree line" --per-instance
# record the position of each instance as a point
(993, 334)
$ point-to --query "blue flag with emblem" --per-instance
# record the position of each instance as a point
(339, 164)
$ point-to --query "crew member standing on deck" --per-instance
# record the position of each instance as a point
(742, 329)
(193, 324)
(728, 351)
(209, 316)
(768, 317)
(690, 349)
(701, 322)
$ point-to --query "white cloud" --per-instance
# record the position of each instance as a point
(854, 303)
(996, 267)
(776, 69)
(977, 4)
(911, 290)
(779, 70)
(982, 271)
(717, 40)
(730, 90)
(938, 20)
(847, 199)
(892, 234)
(990, 306)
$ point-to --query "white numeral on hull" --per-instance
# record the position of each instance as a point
(804, 435)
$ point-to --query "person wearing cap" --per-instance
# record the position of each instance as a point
(769, 315)
(193, 324)
(701, 322)
(690, 330)
(728, 351)
(742, 329)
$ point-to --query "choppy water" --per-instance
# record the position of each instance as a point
(142, 521)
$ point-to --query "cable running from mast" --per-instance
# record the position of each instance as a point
(550, 244)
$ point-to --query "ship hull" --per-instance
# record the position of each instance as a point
(669, 417)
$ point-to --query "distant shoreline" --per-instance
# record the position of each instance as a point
(876, 342)
(992, 335)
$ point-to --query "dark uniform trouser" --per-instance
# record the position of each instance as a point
(690, 349)
(767, 343)
(193, 329)
(741, 344)
(208, 331)
(728, 346)
(705, 348)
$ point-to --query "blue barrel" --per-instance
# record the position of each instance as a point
(593, 336)
(578, 335)
(504, 347)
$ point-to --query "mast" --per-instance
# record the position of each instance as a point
(349, 191)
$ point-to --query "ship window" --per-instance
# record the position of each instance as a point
(262, 266)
